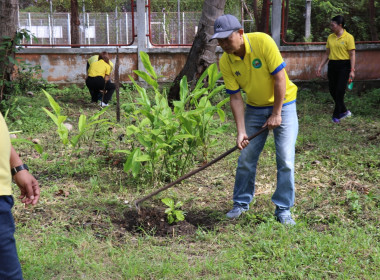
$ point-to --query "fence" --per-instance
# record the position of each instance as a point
(173, 28)
(303, 22)
(108, 29)
(98, 28)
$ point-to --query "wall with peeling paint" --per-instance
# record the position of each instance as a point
(67, 66)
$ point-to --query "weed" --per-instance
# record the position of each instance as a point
(175, 214)
(353, 200)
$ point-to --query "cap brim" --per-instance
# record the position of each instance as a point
(221, 35)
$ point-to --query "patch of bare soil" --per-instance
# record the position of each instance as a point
(153, 221)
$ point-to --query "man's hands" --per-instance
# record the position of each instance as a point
(242, 141)
(30, 190)
(273, 121)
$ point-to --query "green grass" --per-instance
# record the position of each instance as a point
(77, 230)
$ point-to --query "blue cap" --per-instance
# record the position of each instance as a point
(224, 26)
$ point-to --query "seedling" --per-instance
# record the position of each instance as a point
(174, 213)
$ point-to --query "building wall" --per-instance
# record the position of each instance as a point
(68, 66)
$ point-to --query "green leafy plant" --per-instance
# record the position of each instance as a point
(8, 47)
(84, 124)
(29, 78)
(166, 139)
(174, 213)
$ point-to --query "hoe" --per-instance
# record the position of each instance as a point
(137, 202)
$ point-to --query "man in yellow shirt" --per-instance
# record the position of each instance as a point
(253, 63)
(11, 165)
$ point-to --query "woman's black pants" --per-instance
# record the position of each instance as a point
(338, 74)
(95, 85)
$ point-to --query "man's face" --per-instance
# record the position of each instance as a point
(232, 43)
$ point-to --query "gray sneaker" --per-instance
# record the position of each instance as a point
(235, 212)
(285, 220)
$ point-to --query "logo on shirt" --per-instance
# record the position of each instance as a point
(237, 73)
(256, 63)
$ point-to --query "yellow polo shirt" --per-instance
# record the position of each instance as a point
(339, 47)
(99, 68)
(254, 73)
(5, 154)
(96, 58)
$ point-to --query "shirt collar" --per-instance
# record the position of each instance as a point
(343, 35)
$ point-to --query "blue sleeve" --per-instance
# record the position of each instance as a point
(279, 68)
(232, 91)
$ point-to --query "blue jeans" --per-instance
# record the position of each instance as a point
(285, 139)
(10, 267)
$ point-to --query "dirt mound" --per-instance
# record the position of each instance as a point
(153, 221)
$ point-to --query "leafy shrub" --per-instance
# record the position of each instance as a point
(29, 78)
(165, 140)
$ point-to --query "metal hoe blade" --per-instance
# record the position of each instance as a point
(137, 202)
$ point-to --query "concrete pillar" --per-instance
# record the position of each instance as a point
(307, 22)
(141, 31)
(276, 21)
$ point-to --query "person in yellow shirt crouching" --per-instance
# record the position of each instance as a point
(99, 79)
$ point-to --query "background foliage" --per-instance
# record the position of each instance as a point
(356, 15)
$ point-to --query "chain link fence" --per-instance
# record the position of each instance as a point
(95, 28)
(173, 28)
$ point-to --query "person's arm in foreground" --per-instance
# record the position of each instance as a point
(30, 190)
(275, 119)
(325, 58)
(237, 106)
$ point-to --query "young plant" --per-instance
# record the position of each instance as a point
(175, 214)
(84, 124)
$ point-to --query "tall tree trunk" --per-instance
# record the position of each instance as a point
(8, 27)
(372, 22)
(202, 53)
(74, 23)
(256, 14)
(264, 22)
(261, 21)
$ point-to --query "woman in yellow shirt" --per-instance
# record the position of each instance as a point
(340, 54)
(99, 79)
